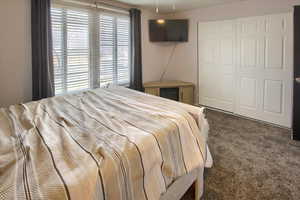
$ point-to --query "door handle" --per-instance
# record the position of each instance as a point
(297, 80)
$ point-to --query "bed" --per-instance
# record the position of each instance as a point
(109, 143)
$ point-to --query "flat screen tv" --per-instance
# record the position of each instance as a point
(172, 30)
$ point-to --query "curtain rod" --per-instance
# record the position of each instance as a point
(99, 4)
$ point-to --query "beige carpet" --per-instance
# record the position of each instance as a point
(252, 161)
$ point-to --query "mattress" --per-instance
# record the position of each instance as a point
(112, 143)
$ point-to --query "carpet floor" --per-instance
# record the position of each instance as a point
(252, 161)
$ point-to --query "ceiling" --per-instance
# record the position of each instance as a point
(166, 6)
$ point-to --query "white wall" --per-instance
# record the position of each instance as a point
(184, 63)
(15, 52)
(153, 54)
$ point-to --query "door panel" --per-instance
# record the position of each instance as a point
(248, 93)
(248, 52)
(217, 64)
(265, 51)
(273, 96)
(275, 47)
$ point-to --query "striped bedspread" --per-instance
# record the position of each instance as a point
(109, 144)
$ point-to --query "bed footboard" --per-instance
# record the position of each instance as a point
(180, 186)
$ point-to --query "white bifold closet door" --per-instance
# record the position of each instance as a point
(217, 41)
(246, 67)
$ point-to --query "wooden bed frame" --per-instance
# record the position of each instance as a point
(181, 185)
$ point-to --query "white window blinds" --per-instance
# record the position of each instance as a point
(114, 49)
(90, 49)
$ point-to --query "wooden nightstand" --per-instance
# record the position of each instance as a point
(175, 90)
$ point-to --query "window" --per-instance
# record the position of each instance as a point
(90, 49)
(114, 50)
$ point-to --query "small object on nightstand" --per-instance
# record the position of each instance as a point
(175, 90)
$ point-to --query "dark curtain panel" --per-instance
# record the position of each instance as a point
(136, 82)
(42, 65)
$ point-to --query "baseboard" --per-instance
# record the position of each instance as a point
(241, 116)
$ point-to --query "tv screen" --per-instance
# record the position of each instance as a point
(161, 30)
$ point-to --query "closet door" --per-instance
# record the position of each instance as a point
(217, 64)
(265, 68)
